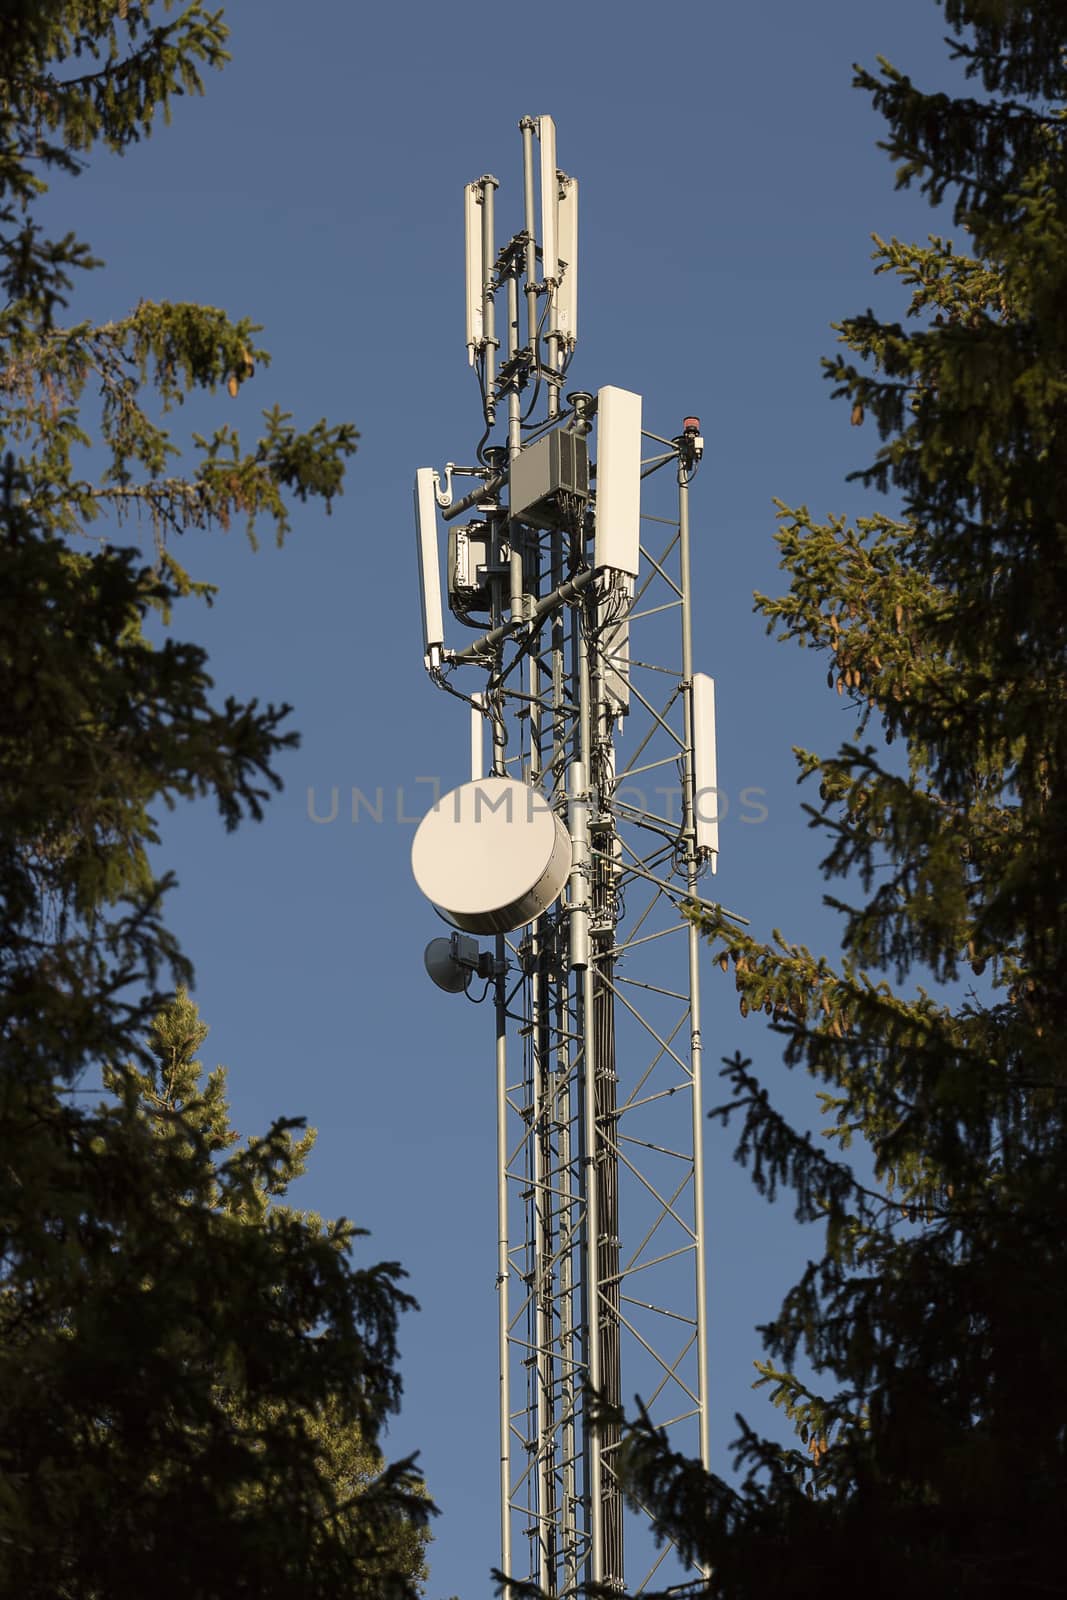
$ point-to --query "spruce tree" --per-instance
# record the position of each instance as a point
(194, 1379)
(932, 1444)
(193, 1376)
(384, 1529)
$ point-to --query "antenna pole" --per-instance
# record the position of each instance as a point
(502, 1259)
(591, 1147)
(692, 864)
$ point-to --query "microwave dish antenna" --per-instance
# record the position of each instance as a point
(491, 856)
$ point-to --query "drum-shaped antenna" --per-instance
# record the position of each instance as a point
(491, 855)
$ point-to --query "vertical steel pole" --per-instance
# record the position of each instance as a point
(575, 1515)
(502, 1262)
(540, 1286)
(543, 1199)
(696, 1046)
(590, 1138)
(568, 1378)
(602, 1030)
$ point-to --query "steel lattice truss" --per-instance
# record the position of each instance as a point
(599, 1070)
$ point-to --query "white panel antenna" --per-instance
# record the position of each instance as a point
(433, 628)
(472, 218)
(618, 481)
(549, 199)
(567, 293)
(705, 768)
(615, 644)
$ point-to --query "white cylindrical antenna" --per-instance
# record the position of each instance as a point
(472, 218)
(477, 736)
(489, 185)
(433, 627)
(549, 200)
(705, 768)
(618, 481)
(567, 293)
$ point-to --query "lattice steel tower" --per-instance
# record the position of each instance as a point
(569, 557)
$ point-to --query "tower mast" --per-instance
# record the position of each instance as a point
(572, 567)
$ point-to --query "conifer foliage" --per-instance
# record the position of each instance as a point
(194, 1378)
(932, 1445)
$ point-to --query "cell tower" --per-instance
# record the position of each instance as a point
(569, 558)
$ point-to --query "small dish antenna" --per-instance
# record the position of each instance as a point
(453, 962)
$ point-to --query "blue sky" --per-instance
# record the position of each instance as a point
(730, 181)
